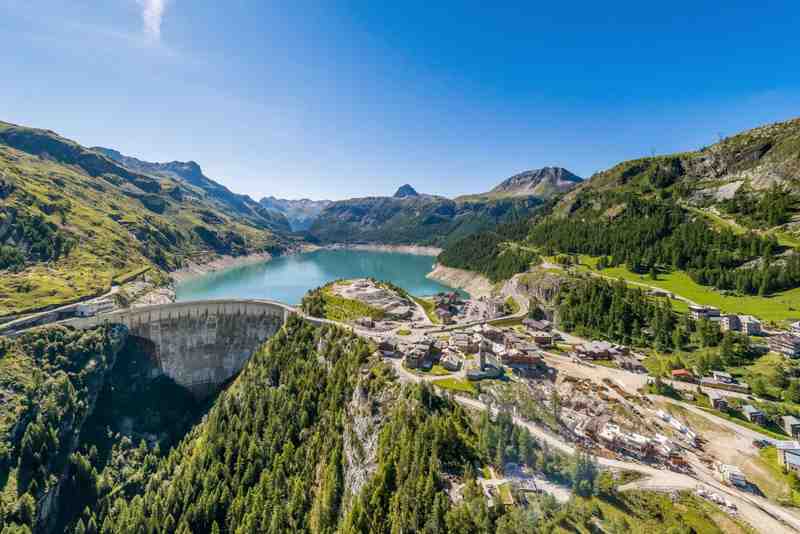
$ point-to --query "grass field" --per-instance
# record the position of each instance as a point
(504, 491)
(343, 309)
(778, 307)
(456, 384)
(438, 370)
(644, 511)
(512, 305)
(764, 471)
(429, 308)
(507, 322)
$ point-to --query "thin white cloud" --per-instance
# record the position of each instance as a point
(152, 15)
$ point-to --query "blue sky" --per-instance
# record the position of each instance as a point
(341, 99)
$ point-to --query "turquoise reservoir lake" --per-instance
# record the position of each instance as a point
(286, 279)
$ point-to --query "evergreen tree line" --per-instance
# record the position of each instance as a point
(597, 308)
(487, 252)
(649, 236)
(272, 456)
(30, 238)
(773, 207)
(47, 412)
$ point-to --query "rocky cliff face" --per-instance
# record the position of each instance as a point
(364, 420)
(541, 286)
(406, 191)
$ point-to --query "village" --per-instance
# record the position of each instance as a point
(607, 403)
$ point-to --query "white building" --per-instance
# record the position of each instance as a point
(732, 475)
(750, 325)
(93, 307)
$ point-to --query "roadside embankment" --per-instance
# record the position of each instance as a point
(473, 283)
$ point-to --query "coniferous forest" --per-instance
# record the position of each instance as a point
(644, 235)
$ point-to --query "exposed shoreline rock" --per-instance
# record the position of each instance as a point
(420, 250)
(218, 263)
(473, 283)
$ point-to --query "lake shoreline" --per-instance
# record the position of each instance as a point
(223, 262)
(303, 267)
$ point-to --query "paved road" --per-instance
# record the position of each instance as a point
(23, 323)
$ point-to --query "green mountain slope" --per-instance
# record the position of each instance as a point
(191, 177)
(725, 216)
(742, 177)
(419, 219)
(72, 220)
(49, 381)
(412, 218)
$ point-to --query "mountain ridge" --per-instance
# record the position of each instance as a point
(544, 182)
(191, 173)
(73, 220)
(300, 213)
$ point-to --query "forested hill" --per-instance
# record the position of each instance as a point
(727, 215)
(317, 435)
(73, 219)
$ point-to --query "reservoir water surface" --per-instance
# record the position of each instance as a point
(288, 278)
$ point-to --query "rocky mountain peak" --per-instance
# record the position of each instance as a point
(406, 190)
(543, 182)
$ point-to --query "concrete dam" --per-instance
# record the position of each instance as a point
(199, 344)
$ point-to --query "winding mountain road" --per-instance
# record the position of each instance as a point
(758, 512)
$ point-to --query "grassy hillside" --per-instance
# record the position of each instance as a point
(751, 177)
(71, 220)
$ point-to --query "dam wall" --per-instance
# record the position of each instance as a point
(199, 344)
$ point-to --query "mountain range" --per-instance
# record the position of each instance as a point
(300, 214)
(74, 219)
(412, 217)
